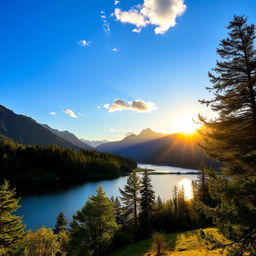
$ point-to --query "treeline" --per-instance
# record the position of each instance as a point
(105, 224)
(35, 165)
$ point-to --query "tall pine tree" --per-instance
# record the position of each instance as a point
(61, 223)
(147, 202)
(11, 227)
(231, 137)
(130, 198)
(93, 226)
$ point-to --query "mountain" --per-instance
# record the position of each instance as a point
(131, 140)
(25, 130)
(94, 143)
(156, 148)
(68, 136)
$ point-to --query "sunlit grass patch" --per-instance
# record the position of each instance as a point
(190, 243)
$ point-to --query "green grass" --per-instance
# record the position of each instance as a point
(190, 243)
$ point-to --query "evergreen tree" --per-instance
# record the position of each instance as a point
(118, 210)
(147, 202)
(61, 223)
(93, 226)
(231, 137)
(130, 198)
(159, 203)
(175, 200)
(42, 242)
(11, 227)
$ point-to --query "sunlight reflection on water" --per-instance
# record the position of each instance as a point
(186, 184)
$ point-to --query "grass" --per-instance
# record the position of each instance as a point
(190, 243)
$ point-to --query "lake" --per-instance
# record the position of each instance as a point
(42, 209)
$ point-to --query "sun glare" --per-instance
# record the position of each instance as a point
(187, 126)
(186, 184)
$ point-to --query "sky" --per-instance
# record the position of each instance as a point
(103, 68)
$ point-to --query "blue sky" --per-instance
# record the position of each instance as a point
(62, 55)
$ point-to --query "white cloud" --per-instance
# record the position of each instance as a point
(53, 113)
(106, 24)
(136, 30)
(135, 105)
(132, 16)
(98, 107)
(70, 113)
(160, 13)
(117, 2)
(114, 49)
(84, 43)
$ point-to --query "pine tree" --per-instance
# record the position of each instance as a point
(159, 203)
(61, 223)
(41, 243)
(147, 202)
(118, 210)
(231, 137)
(11, 227)
(130, 198)
(175, 200)
(93, 226)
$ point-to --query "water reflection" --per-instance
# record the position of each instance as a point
(186, 184)
(42, 209)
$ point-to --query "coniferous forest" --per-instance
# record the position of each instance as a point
(46, 165)
(225, 200)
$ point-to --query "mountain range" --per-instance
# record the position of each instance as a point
(27, 131)
(94, 143)
(155, 148)
(147, 147)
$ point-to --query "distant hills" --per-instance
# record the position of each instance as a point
(25, 130)
(94, 143)
(156, 148)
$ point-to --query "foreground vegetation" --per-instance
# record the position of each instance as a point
(190, 243)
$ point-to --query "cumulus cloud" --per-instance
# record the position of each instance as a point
(84, 43)
(106, 24)
(116, 2)
(70, 113)
(133, 16)
(53, 113)
(114, 50)
(160, 13)
(135, 105)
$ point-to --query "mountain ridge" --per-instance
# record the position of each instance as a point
(175, 149)
(25, 130)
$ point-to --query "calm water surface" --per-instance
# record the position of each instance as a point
(41, 209)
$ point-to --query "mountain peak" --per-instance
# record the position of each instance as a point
(147, 131)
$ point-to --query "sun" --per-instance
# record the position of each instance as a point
(187, 126)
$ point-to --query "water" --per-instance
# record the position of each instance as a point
(42, 209)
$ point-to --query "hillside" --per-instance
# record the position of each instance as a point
(45, 165)
(68, 136)
(25, 130)
(154, 148)
(131, 140)
(190, 243)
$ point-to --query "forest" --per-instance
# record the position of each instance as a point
(225, 200)
(39, 165)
